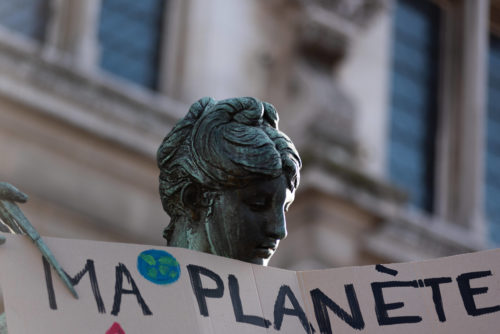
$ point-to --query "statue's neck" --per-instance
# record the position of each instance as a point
(190, 236)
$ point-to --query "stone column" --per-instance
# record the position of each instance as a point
(472, 127)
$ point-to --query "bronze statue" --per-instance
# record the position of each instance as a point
(227, 176)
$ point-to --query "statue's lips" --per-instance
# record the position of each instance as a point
(265, 250)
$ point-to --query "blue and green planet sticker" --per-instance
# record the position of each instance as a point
(158, 266)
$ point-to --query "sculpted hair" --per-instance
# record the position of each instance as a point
(221, 145)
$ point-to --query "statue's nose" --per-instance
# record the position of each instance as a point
(276, 225)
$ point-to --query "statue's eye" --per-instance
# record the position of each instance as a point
(259, 204)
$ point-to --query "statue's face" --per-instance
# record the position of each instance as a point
(247, 223)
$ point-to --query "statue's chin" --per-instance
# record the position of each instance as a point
(221, 247)
(259, 261)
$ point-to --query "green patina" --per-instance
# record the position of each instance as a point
(210, 163)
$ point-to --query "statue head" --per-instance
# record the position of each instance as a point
(227, 176)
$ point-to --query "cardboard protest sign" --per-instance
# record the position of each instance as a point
(144, 289)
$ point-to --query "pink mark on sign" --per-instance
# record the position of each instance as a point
(115, 329)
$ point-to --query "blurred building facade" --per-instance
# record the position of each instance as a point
(391, 103)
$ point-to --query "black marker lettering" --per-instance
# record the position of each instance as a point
(121, 270)
(280, 310)
(199, 291)
(383, 269)
(90, 269)
(321, 302)
(381, 307)
(234, 291)
(468, 293)
(436, 294)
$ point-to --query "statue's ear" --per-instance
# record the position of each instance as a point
(192, 198)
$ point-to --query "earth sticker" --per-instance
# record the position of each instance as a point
(158, 266)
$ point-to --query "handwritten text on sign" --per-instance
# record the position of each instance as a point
(139, 289)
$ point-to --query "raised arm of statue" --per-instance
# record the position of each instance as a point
(8, 193)
(13, 220)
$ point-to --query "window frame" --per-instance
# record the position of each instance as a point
(460, 167)
(494, 29)
(459, 147)
(72, 38)
(430, 191)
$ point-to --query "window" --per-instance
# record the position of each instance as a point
(413, 103)
(492, 174)
(129, 39)
(27, 17)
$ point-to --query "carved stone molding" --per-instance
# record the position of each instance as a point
(330, 24)
(357, 12)
(400, 234)
(94, 102)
